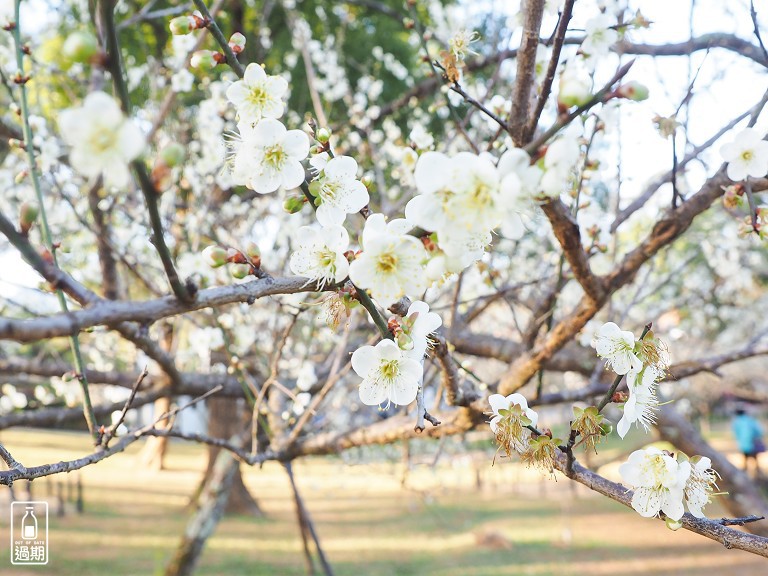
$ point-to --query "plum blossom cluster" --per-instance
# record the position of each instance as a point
(665, 484)
(643, 362)
(392, 370)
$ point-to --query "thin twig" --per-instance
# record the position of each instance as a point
(110, 433)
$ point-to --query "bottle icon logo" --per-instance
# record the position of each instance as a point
(29, 524)
(29, 533)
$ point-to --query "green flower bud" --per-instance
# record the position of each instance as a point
(252, 251)
(237, 42)
(173, 154)
(80, 47)
(323, 135)
(27, 215)
(633, 91)
(215, 256)
(203, 60)
(183, 25)
(404, 341)
(674, 524)
(293, 204)
(240, 271)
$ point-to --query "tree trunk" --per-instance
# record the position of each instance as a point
(153, 453)
(744, 497)
(227, 417)
(212, 502)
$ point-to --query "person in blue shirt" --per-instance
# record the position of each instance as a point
(749, 437)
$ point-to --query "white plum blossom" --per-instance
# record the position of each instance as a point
(268, 156)
(392, 263)
(387, 373)
(747, 155)
(257, 95)
(338, 192)
(560, 160)
(103, 141)
(419, 323)
(463, 198)
(642, 400)
(182, 81)
(600, 36)
(422, 139)
(700, 485)
(617, 347)
(659, 481)
(320, 254)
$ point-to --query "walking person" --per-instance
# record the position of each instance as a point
(749, 437)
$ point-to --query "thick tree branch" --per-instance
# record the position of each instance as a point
(533, 12)
(148, 311)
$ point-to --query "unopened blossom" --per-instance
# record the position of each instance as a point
(392, 263)
(338, 192)
(388, 374)
(700, 485)
(747, 155)
(320, 254)
(103, 141)
(257, 95)
(617, 347)
(418, 324)
(268, 156)
(511, 415)
(659, 481)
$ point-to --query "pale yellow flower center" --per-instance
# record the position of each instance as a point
(386, 263)
(275, 156)
(258, 97)
(390, 369)
(747, 155)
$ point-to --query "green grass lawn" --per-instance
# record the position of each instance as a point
(460, 517)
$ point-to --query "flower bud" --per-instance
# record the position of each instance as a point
(633, 91)
(173, 154)
(21, 176)
(240, 271)
(203, 60)
(252, 250)
(27, 216)
(293, 204)
(183, 25)
(80, 47)
(574, 91)
(323, 135)
(237, 42)
(673, 524)
(404, 341)
(367, 181)
(215, 256)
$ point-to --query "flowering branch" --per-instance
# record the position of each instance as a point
(184, 292)
(74, 342)
(221, 40)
